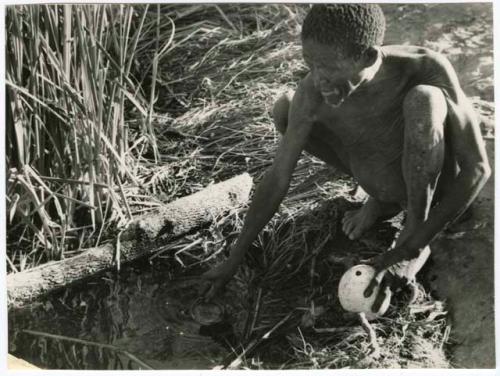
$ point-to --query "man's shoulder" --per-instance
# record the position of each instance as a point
(409, 52)
(417, 59)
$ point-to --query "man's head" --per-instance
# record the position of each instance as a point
(340, 46)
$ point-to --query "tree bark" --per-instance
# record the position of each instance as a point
(142, 237)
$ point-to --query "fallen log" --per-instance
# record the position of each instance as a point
(142, 237)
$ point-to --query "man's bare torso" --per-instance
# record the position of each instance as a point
(367, 130)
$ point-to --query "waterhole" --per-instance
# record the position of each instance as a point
(136, 319)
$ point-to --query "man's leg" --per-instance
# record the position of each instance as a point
(331, 151)
(425, 112)
(356, 222)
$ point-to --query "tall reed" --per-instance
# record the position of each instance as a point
(69, 77)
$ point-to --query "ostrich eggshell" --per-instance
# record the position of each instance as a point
(352, 286)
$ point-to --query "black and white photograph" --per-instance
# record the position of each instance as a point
(238, 186)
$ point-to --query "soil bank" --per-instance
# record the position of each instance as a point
(461, 271)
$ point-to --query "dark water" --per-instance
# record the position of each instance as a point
(142, 310)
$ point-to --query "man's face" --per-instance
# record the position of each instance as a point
(334, 75)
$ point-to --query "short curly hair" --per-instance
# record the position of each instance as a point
(351, 28)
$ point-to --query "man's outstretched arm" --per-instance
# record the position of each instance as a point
(272, 189)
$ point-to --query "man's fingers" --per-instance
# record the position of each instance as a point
(210, 294)
(204, 287)
(384, 293)
(374, 283)
(370, 288)
(212, 289)
(207, 284)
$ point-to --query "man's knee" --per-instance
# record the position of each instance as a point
(425, 111)
(280, 111)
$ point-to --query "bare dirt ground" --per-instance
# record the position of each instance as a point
(462, 273)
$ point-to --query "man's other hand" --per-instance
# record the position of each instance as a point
(395, 269)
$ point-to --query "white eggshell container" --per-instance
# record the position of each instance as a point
(351, 290)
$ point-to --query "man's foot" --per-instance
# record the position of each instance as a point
(356, 222)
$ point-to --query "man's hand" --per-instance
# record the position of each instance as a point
(395, 269)
(217, 278)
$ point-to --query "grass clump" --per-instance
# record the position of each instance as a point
(70, 151)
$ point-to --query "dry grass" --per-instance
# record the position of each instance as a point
(69, 150)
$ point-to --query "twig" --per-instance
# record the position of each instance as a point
(90, 343)
(375, 348)
(253, 344)
(336, 329)
(256, 313)
(226, 19)
(183, 249)
(445, 336)
(11, 264)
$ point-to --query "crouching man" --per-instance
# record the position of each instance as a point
(394, 118)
